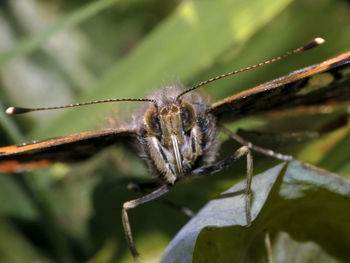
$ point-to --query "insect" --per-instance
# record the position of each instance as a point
(176, 133)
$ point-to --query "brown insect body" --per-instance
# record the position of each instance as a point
(176, 136)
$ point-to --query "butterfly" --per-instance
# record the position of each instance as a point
(175, 131)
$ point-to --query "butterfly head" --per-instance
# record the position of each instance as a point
(173, 137)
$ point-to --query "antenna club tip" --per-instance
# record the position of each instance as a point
(15, 110)
(314, 43)
(10, 110)
(319, 40)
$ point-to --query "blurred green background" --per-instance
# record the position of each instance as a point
(57, 52)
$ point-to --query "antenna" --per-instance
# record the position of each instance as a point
(314, 43)
(18, 110)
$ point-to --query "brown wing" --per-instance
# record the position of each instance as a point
(321, 83)
(70, 148)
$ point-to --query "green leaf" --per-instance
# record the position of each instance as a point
(339, 156)
(32, 43)
(15, 248)
(18, 205)
(304, 208)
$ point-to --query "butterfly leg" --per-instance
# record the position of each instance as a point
(256, 148)
(245, 150)
(225, 163)
(144, 189)
(134, 203)
(268, 247)
(268, 152)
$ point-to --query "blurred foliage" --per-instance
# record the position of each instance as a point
(56, 52)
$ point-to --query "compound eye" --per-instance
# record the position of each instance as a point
(151, 119)
(188, 116)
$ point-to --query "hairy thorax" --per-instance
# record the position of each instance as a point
(176, 136)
